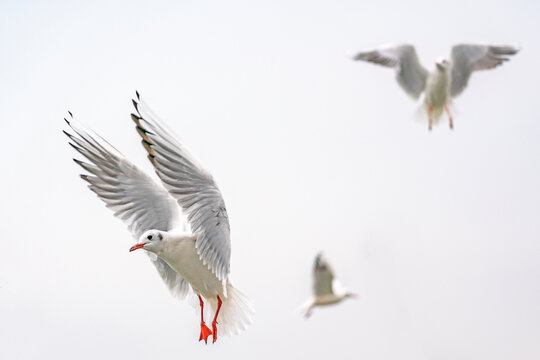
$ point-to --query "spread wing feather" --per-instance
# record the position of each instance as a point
(139, 201)
(323, 277)
(466, 58)
(193, 188)
(410, 74)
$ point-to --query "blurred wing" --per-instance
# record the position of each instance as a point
(410, 74)
(135, 198)
(193, 188)
(467, 58)
(323, 277)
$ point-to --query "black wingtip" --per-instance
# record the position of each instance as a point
(146, 142)
(135, 104)
(138, 96)
(143, 131)
(70, 114)
(66, 120)
(152, 159)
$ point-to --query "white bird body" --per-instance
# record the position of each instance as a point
(195, 254)
(180, 253)
(326, 289)
(448, 80)
(328, 299)
(437, 92)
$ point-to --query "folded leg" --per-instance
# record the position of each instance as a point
(205, 331)
(214, 322)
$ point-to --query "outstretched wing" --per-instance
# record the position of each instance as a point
(467, 58)
(410, 74)
(142, 203)
(193, 188)
(323, 277)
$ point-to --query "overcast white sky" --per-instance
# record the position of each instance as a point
(438, 232)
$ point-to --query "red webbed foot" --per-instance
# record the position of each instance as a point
(205, 333)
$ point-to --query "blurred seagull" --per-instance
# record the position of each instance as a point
(449, 78)
(199, 258)
(326, 289)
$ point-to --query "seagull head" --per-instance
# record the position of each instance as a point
(442, 64)
(151, 240)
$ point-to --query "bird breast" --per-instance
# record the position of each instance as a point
(181, 254)
(437, 88)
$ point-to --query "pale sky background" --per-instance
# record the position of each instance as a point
(438, 232)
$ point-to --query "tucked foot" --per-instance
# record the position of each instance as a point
(205, 333)
(449, 116)
(430, 117)
(214, 331)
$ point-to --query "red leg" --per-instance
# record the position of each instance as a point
(309, 312)
(214, 322)
(205, 331)
(449, 116)
(430, 117)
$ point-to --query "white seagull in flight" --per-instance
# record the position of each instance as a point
(449, 78)
(152, 210)
(326, 289)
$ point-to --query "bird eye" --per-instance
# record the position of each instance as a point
(149, 237)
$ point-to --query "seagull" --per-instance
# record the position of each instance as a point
(326, 289)
(187, 253)
(448, 80)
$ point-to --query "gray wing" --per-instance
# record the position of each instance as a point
(467, 58)
(193, 188)
(323, 277)
(139, 201)
(410, 74)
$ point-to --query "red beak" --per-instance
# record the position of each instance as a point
(135, 247)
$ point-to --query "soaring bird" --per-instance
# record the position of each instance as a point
(187, 254)
(449, 78)
(326, 289)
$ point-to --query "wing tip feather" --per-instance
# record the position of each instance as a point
(136, 105)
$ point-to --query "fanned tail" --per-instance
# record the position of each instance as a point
(236, 312)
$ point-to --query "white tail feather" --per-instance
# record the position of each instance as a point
(235, 314)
